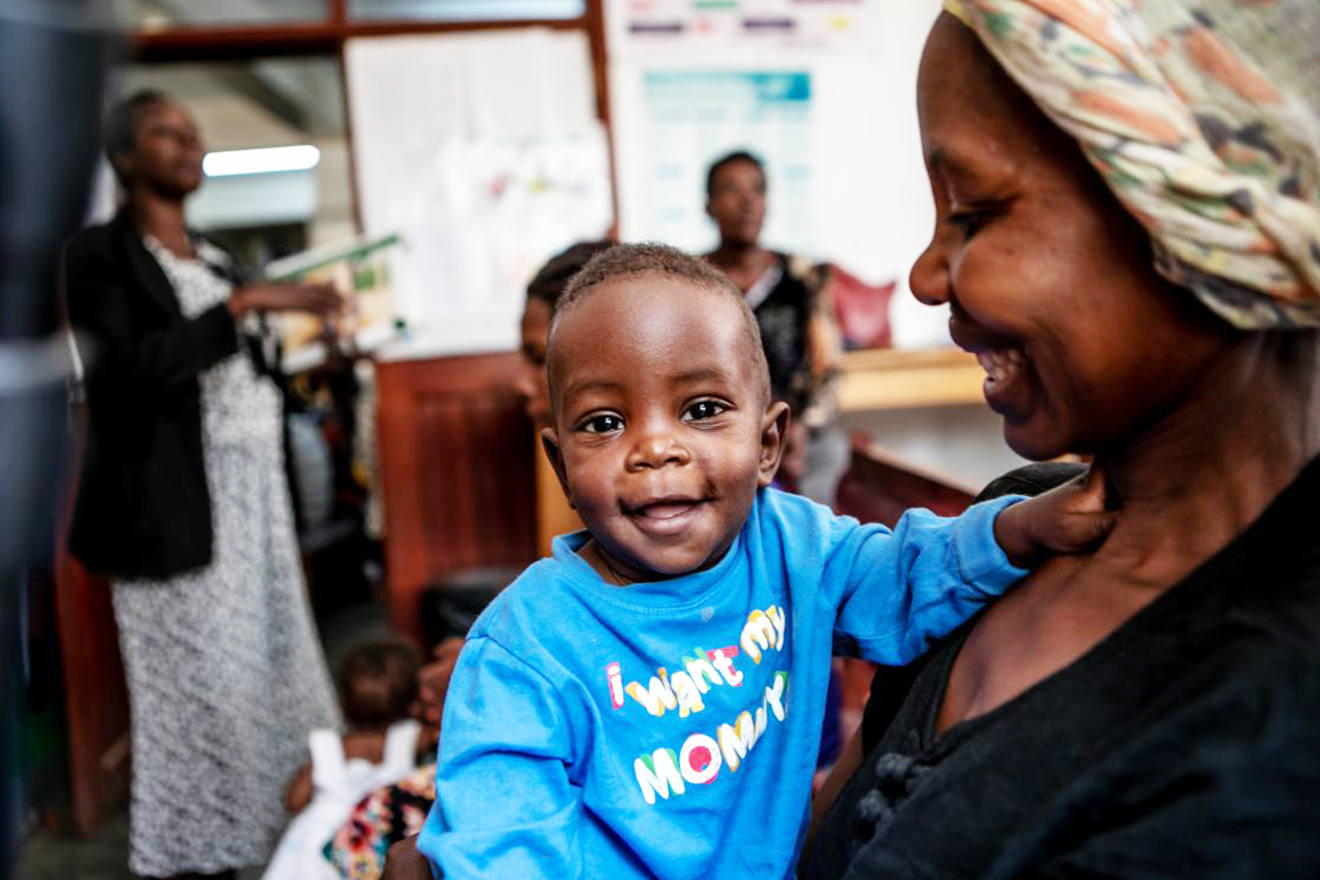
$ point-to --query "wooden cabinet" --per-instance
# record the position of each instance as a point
(457, 473)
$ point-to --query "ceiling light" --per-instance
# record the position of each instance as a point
(261, 161)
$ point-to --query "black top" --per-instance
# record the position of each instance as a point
(782, 317)
(1185, 744)
(143, 507)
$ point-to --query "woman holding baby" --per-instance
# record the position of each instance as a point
(1128, 235)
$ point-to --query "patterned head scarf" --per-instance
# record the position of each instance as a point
(1203, 117)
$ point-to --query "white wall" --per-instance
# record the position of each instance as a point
(870, 203)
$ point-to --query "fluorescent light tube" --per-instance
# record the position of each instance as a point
(260, 161)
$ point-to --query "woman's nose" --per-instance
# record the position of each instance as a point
(929, 278)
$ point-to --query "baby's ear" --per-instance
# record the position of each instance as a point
(550, 443)
(774, 434)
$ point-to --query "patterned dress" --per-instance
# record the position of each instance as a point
(380, 820)
(225, 673)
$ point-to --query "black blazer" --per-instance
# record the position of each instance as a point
(143, 508)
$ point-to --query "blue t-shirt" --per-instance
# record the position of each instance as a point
(670, 729)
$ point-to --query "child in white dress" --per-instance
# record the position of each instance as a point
(378, 684)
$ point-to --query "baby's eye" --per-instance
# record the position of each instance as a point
(702, 410)
(604, 423)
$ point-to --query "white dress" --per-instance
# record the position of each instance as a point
(339, 785)
(225, 671)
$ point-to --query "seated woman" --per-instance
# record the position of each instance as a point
(1149, 710)
(790, 299)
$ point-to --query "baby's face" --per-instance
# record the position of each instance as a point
(662, 434)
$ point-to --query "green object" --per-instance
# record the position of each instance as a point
(357, 253)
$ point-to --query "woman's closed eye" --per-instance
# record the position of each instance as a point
(704, 410)
(970, 222)
(601, 423)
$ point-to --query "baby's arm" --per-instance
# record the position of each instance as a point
(899, 591)
(906, 589)
(505, 804)
(299, 793)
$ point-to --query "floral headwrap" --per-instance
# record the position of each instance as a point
(1203, 116)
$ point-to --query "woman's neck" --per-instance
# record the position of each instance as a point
(742, 262)
(162, 219)
(738, 255)
(1195, 481)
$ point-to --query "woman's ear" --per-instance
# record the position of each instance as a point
(550, 443)
(774, 434)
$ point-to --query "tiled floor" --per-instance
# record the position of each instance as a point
(51, 856)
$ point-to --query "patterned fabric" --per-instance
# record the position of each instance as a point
(383, 818)
(225, 673)
(1203, 118)
(239, 405)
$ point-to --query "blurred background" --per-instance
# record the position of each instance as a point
(428, 157)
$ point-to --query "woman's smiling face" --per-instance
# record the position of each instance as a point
(1049, 280)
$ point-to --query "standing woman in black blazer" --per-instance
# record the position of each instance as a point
(184, 505)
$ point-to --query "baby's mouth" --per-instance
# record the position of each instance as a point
(662, 509)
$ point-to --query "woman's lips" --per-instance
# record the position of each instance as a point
(1004, 362)
(1004, 370)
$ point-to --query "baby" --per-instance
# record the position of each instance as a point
(377, 687)
(648, 701)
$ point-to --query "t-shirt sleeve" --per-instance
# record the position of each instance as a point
(898, 591)
(505, 804)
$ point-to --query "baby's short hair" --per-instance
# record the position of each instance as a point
(651, 258)
(553, 278)
(378, 683)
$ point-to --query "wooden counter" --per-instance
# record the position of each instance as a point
(886, 378)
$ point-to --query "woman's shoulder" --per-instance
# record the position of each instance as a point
(92, 242)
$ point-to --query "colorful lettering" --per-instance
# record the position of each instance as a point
(657, 696)
(763, 630)
(723, 660)
(701, 669)
(657, 773)
(688, 694)
(774, 695)
(615, 678)
(737, 739)
(700, 759)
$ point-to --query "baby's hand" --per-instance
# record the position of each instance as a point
(1069, 518)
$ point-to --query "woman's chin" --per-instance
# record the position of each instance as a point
(1033, 441)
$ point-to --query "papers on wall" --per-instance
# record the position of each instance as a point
(847, 182)
(715, 28)
(693, 117)
(484, 152)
